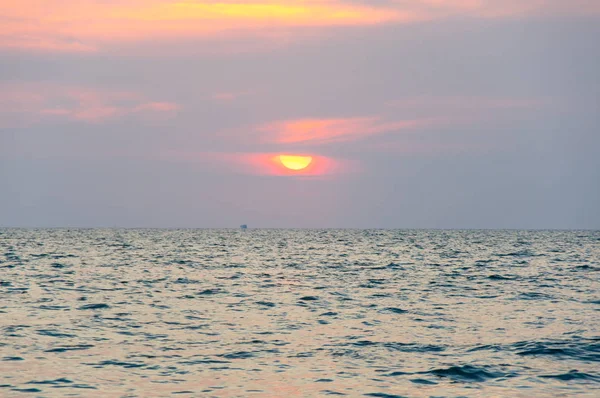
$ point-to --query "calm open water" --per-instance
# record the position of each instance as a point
(270, 313)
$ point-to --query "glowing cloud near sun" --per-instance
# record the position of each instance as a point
(293, 162)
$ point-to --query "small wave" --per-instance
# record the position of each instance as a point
(53, 333)
(394, 310)
(404, 347)
(186, 281)
(520, 253)
(238, 355)
(330, 313)
(394, 266)
(123, 364)
(424, 382)
(53, 307)
(534, 296)
(70, 348)
(203, 362)
(587, 268)
(79, 386)
(575, 349)
(497, 277)
(394, 374)
(210, 292)
(62, 380)
(573, 375)
(365, 343)
(27, 389)
(485, 347)
(309, 298)
(469, 373)
(99, 306)
(266, 304)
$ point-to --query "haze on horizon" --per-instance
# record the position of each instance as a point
(416, 114)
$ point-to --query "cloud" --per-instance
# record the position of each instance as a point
(435, 9)
(27, 103)
(156, 106)
(332, 130)
(55, 45)
(85, 25)
(94, 114)
(470, 102)
(404, 124)
(226, 97)
(418, 113)
(427, 147)
(464, 111)
(98, 25)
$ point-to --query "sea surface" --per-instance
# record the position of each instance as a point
(299, 313)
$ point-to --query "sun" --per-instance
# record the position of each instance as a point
(295, 162)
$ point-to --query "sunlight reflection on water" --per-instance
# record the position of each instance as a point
(299, 313)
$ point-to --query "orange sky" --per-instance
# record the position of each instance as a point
(87, 25)
(91, 25)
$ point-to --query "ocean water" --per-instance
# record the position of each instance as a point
(299, 313)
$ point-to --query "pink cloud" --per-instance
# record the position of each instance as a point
(464, 110)
(96, 114)
(93, 25)
(332, 130)
(16, 100)
(470, 102)
(34, 101)
(438, 9)
(48, 25)
(157, 106)
(56, 112)
(228, 96)
(42, 44)
(430, 148)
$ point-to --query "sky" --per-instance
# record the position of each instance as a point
(412, 114)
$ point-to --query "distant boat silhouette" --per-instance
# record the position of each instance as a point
(243, 226)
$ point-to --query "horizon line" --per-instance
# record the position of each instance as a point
(307, 228)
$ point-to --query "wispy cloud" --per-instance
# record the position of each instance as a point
(43, 44)
(41, 102)
(156, 106)
(321, 131)
(85, 25)
(227, 97)
(94, 25)
(435, 9)
(90, 114)
(389, 131)
(437, 103)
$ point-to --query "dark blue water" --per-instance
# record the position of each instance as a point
(267, 313)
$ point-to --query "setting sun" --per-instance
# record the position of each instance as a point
(295, 162)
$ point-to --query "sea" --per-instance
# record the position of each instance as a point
(299, 313)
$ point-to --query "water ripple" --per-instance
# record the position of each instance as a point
(265, 313)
